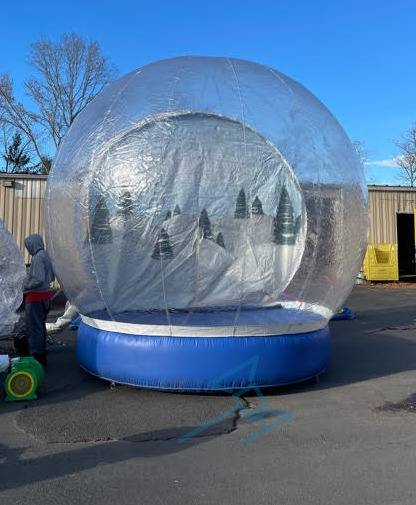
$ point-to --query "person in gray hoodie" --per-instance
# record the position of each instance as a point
(38, 296)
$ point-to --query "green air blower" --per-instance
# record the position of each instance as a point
(24, 380)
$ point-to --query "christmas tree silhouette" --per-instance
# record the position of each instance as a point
(100, 231)
(283, 223)
(220, 240)
(125, 204)
(168, 215)
(241, 206)
(176, 211)
(205, 224)
(162, 249)
(257, 208)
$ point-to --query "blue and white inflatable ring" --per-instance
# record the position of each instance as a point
(153, 358)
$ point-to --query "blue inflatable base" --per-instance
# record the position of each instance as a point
(202, 363)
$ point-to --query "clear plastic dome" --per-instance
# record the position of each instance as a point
(12, 276)
(195, 183)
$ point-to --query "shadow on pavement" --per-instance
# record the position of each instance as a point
(19, 471)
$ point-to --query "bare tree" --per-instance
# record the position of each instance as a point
(361, 151)
(6, 133)
(67, 76)
(14, 115)
(406, 160)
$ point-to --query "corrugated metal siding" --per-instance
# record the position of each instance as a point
(21, 206)
(384, 205)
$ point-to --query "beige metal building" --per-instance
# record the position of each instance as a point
(391, 210)
(21, 205)
(392, 220)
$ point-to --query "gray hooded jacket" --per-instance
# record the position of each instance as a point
(41, 272)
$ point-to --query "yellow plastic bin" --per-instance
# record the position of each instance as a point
(381, 263)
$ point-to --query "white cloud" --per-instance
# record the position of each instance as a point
(392, 162)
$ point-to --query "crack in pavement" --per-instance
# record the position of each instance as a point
(395, 328)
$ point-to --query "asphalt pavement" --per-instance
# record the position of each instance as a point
(348, 439)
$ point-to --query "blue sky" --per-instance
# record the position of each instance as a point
(357, 56)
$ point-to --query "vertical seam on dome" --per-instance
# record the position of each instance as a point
(243, 121)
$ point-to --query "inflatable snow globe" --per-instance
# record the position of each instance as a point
(203, 212)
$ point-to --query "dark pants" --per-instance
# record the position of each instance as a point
(36, 314)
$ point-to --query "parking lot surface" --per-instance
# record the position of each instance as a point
(351, 437)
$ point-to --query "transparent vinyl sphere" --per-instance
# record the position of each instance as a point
(12, 276)
(197, 183)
